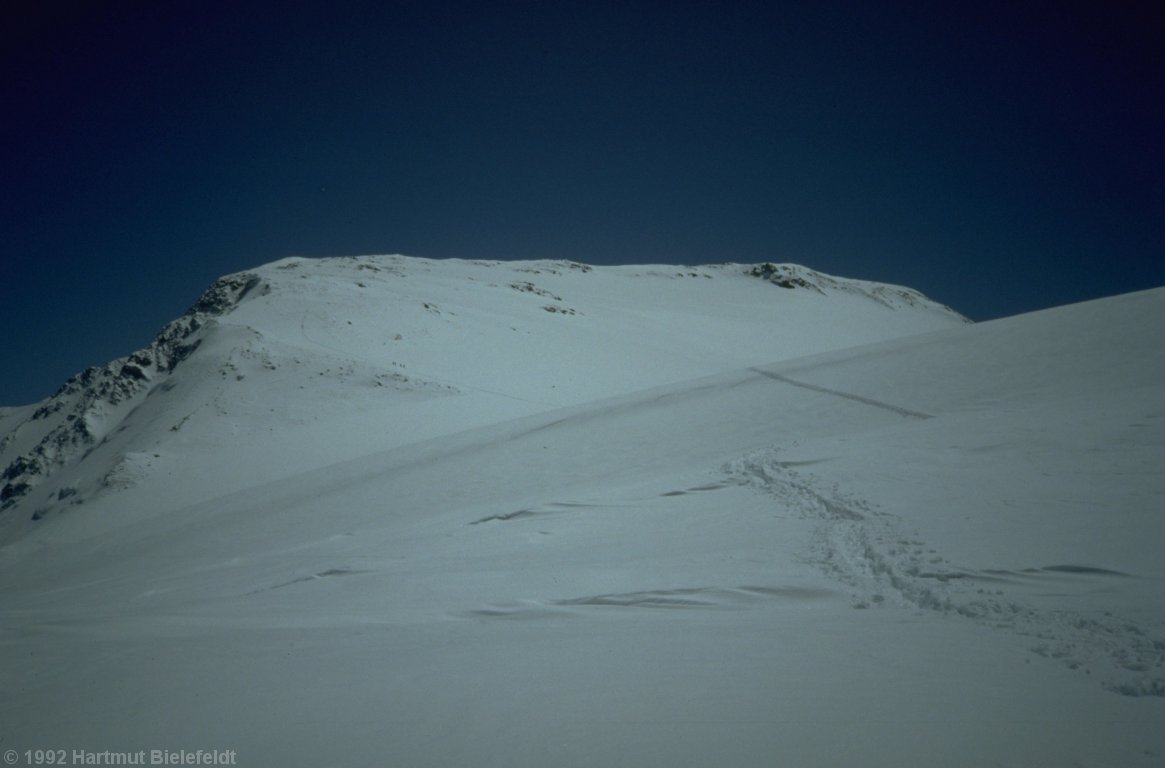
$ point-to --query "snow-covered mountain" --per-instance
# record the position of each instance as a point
(393, 511)
(351, 338)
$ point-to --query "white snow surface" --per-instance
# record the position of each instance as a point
(395, 511)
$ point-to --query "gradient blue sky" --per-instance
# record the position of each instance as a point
(1000, 157)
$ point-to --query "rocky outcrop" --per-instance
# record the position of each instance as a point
(794, 276)
(82, 404)
(783, 275)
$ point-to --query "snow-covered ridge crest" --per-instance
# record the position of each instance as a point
(81, 411)
(793, 276)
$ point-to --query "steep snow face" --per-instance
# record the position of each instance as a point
(300, 343)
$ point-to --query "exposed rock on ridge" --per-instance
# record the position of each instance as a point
(794, 276)
(87, 398)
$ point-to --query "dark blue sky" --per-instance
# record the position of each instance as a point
(1000, 157)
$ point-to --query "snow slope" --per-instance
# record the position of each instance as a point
(701, 520)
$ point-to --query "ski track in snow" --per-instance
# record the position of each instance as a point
(847, 395)
(868, 550)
